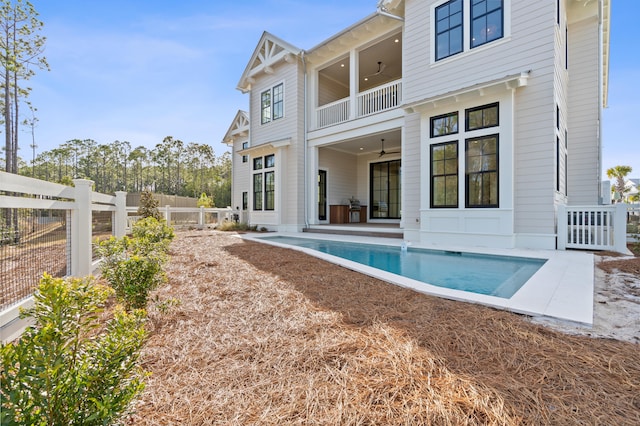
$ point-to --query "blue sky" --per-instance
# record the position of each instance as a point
(140, 70)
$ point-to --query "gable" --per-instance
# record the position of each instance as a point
(270, 51)
(239, 128)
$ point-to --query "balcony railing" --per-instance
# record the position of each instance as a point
(369, 102)
(380, 98)
(333, 113)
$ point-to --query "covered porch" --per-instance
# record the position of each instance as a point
(356, 181)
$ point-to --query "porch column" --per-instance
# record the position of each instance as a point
(353, 84)
(312, 185)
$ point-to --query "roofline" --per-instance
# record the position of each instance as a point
(367, 18)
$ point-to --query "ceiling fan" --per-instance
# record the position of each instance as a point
(383, 152)
(381, 67)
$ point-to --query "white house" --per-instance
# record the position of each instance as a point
(464, 122)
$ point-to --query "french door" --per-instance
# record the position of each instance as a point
(384, 190)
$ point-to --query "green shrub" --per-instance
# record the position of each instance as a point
(133, 269)
(67, 369)
(150, 235)
(205, 201)
(149, 206)
(233, 226)
(133, 266)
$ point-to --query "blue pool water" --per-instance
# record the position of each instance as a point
(499, 276)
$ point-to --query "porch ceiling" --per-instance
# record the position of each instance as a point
(369, 144)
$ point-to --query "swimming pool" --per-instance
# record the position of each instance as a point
(499, 276)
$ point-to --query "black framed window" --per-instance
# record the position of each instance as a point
(264, 184)
(257, 163)
(482, 172)
(322, 195)
(272, 104)
(557, 164)
(444, 175)
(269, 190)
(482, 117)
(384, 190)
(257, 191)
(245, 200)
(245, 157)
(269, 161)
(449, 29)
(265, 107)
(486, 21)
(278, 101)
(445, 124)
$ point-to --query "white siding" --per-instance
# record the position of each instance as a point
(289, 214)
(584, 113)
(342, 175)
(412, 160)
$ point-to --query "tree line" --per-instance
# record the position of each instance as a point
(171, 167)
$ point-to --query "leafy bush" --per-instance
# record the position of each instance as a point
(205, 201)
(149, 206)
(133, 266)
(151, 234)
(66, 370)
(234, 226)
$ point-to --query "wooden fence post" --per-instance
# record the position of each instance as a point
(81, 254)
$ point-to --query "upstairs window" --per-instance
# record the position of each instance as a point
(265, 107)
(449, 28)
(272, 104)
(486, 21)
(459, 26)
(278, 101)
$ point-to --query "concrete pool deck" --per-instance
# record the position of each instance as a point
(562, 288)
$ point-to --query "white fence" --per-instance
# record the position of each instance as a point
(593, 227)
(79, 203)
(187, 216)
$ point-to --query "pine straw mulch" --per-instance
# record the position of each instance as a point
(271, 336)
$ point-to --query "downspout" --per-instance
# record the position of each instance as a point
(305, 141)
(600, 96)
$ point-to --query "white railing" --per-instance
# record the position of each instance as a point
(333, 113)
(186, 216)
(380, 98)
(593, 227)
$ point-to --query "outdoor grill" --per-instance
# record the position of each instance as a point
(354, 210)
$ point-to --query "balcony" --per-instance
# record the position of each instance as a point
(372, 101)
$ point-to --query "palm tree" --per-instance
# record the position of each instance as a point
(619, 173)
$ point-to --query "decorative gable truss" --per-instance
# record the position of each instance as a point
(239, 128)
(270, 51)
